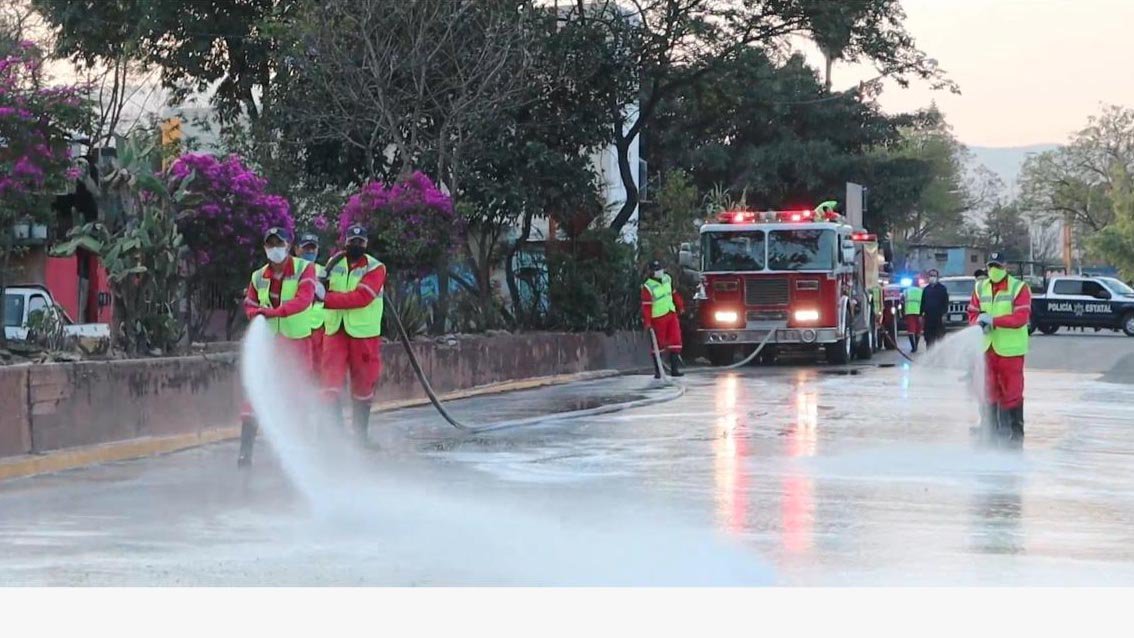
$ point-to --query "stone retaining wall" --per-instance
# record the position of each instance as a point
(57, 406)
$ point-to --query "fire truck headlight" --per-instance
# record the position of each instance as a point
(807, 315)
(725, 316)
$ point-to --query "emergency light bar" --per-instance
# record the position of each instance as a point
(863, 236)
(752, 217)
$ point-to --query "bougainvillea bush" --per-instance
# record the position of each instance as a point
(223, 217)
(412, 224)
(35, 123)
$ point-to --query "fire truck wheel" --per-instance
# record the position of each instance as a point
(720, 355)
(865, 347)
(838, 353)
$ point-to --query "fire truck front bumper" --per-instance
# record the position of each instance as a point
(798, 336)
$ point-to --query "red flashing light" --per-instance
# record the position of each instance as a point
(738, 217)
(863, 236)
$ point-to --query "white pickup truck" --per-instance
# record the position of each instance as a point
(23, 300)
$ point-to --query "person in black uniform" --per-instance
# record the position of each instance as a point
(934, 305)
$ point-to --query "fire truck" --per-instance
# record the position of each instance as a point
(806, 276)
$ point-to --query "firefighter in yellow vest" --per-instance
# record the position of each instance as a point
(352, 320)
(281, 292)
(308, 249)
(1002, 306)
(913, 314)
(660, 307)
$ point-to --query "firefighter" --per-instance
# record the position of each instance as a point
(308, 249)
(352, 320)
(660, 307)
(934, 305)
(1002, 305)
(281, 292)
(912, 300)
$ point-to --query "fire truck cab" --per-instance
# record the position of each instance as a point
(807, 276)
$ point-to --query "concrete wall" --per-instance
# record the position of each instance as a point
(58, 406)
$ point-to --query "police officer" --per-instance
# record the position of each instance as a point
(1002, 306)
(934, 305)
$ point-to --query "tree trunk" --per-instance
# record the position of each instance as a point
(510, 269)
(625, 171)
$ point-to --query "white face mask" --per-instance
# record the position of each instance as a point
(933, 280)
(658, 274)
(276, 255)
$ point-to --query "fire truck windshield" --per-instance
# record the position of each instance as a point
(803, 249)
(730, 251)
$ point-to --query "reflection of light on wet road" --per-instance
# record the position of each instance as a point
(730, 487)
(798, 502)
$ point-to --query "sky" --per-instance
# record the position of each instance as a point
(1030, 71)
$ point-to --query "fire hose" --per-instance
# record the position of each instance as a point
(676, 392)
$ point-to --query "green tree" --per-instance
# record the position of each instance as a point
(1115, 243)
(227, 44)
(1006, 231)
(1075, 182)
(673, 44)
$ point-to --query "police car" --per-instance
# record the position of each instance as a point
(1080, 301)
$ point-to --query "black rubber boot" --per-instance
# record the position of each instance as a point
(913, 343)
(675, 365)
(360, 418)
(657, 370)
(247, 441)
(1003, 426)
(1016, 427)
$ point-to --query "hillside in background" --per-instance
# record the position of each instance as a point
(1006, 161)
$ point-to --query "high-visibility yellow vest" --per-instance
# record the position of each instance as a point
(314, 314)
(913, 300)
(661, 293)
(360, 323)
(1006, 342)
(297, 326)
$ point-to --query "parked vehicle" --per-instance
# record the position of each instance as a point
(960, 292)
(808, 277)
(23, 302)
(1082, 301)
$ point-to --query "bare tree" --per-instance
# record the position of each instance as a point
(405, 81)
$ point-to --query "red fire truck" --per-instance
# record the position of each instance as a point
(807, 275)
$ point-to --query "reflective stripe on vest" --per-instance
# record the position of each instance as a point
(360, 323)
(913, 301)
(1006, 342)
(314, 314)
(661, 293)
(296, 326)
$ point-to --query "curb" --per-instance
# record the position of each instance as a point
(68, 459)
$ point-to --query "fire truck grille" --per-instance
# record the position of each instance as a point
(766, 292)
(767, 315)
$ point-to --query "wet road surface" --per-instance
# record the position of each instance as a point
(787, 474)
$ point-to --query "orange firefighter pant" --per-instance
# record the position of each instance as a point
(360, 358)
